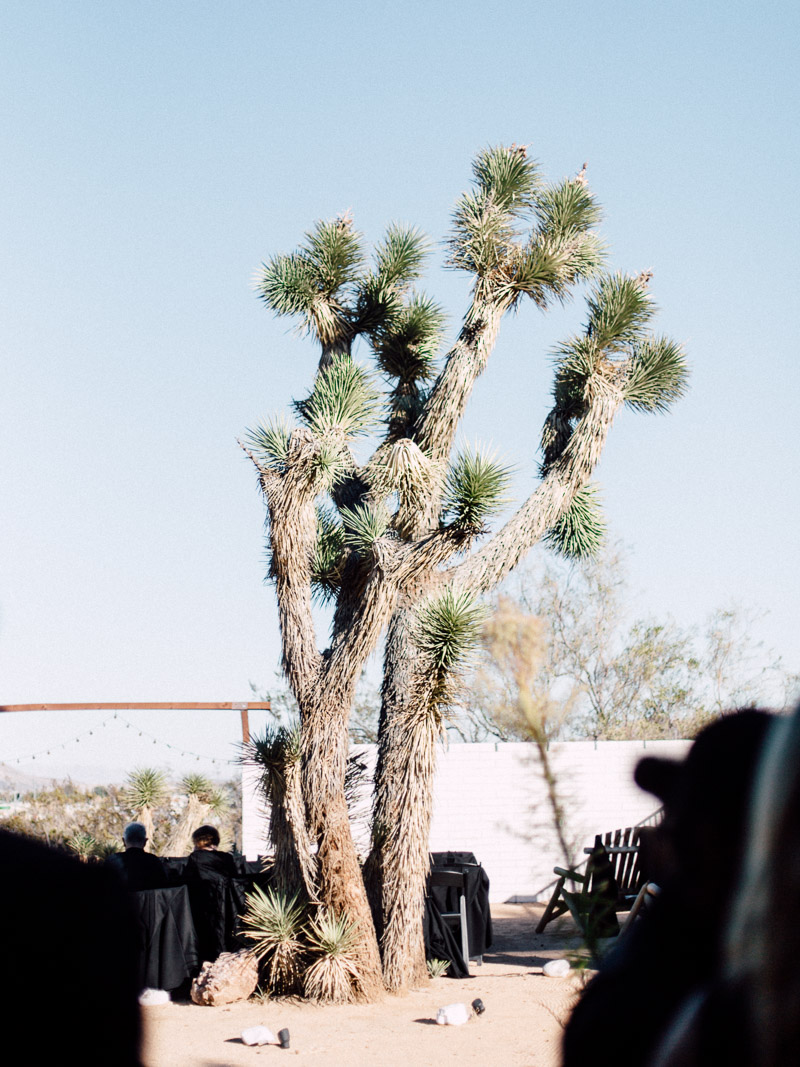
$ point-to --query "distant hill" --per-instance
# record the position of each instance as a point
(13, 780)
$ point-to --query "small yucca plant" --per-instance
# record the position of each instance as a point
(83, 845)
(436, 968)
(103, 849)
(334, 975)
(273, 923)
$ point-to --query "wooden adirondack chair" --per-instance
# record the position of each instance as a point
(611, 881)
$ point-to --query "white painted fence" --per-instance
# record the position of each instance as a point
(490, 799)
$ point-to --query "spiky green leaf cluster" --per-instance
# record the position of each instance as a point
(335, 974)
(567, 209)
(437, 968)
(271, 919)
(273, 922)
(658, 375)
(615, 348)
(288, 286)
(269, 443)
(197, 785)
(310, 282)
(448, 628)
(546, 267)
(562, 248)
(507, 178)
(400, 257)
(332, 935)
(575, 361)
(326, 284)
(327, 558)
(378, 294)
(620, 307)
(581, 530)
(272, 753)
(486, 240)
(344, 400)
(486, 219)
(363, 525)
(475, 488)
(333, 249)
(329, 465)
(146, 787)
(82, 844)
(406, 344)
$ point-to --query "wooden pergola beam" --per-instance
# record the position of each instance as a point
(242, 706)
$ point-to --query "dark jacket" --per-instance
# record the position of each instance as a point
(217, 900)
(139, 869)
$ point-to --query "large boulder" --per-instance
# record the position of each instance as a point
(232, 976)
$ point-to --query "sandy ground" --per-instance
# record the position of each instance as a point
(522, 1024)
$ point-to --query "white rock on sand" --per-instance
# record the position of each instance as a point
(522, 1024)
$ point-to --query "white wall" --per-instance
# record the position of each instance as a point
(490, 799)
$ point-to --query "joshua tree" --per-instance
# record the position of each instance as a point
(202, 797)
(393, 543)
(145, 789)
(276, 755)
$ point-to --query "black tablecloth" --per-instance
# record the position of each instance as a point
(168, 943)
(443, 940)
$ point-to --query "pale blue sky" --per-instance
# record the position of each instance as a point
(154, 154)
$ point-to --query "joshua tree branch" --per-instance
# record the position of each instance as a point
(293, 526)
(545, 506)
(448, 398)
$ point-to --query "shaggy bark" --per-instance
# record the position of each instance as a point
(179, 842)
(398, 863)
(409, 727)
(409, 730)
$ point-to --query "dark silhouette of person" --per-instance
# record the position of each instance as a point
(748, 1014)
(69, 944)
(216, 899)
(138, 869)
(694, 856)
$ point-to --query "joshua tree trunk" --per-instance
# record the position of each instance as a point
(179, 842)
(145, 816)
(398, 864)
(411, 723)
(340, 885)
(294, 859)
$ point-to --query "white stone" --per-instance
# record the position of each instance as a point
(453, 1015)
(556, 969)
(259, 1035)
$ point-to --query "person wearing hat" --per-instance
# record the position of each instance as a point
(694, 856)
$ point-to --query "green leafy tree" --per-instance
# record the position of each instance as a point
(610, 677)
(393, 544)
(515, 651)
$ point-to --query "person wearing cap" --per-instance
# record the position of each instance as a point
(694, 855)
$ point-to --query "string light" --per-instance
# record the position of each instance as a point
(215, 760)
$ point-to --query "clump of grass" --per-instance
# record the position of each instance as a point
(334, 976)
(273, 922)
(436, 968)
